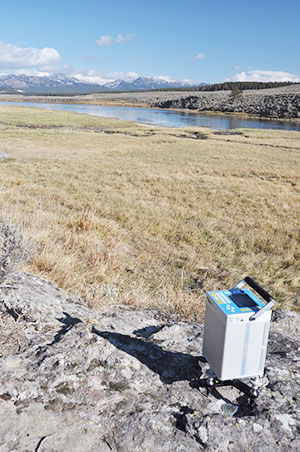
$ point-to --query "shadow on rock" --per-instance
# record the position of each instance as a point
(170, 366)
(148, 331)
(68, 323)
(181, 419)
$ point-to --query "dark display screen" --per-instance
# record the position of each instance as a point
(242, 300)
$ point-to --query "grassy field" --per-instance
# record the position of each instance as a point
(152, 217)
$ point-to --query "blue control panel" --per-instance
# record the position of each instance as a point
(236, 301)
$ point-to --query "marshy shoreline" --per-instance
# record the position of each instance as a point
(282, 104)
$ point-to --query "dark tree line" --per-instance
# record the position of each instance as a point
(227, 86)
(243, 86)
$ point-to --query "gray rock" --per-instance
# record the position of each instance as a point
(258, 104)
(3, 156)
(123, 380)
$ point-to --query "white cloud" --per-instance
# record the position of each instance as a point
(164, 77)
(12, 56)
(99, 77)
(265, 76)
(120, 38)
(107, 40)
(104, 40)
(200, 56)
(34, 72)
(170, 79)
(127, 76)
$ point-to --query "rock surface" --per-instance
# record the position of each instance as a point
(264, 105)
(126, 381)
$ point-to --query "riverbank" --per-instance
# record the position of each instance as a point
(150, 216)
(166, 118)
(276, 103)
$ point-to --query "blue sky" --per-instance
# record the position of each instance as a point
(101, 40)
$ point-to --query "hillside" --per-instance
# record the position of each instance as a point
(277, 103)
(152, 216)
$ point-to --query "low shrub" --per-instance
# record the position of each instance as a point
(14, 249)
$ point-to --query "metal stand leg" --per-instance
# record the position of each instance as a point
(210, 377)
(256, 384)
(211, 381)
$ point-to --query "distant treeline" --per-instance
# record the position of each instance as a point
(226, 86)
(243, 86)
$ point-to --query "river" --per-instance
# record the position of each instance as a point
(167, 118)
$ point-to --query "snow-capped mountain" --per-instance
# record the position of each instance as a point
(145, 83)
(55, 84)
(62, 84)
(116, 85)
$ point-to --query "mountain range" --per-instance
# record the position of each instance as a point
(62, 84)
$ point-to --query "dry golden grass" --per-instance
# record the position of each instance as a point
(154, 213)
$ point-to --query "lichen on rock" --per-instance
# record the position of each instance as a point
(124, 380)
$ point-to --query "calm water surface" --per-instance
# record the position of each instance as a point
(166, 118)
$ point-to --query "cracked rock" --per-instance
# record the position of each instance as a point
(126, 381)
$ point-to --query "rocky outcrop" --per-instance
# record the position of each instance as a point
(123, 380)
(264, 105)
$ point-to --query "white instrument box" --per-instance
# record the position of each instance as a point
(236, 331)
